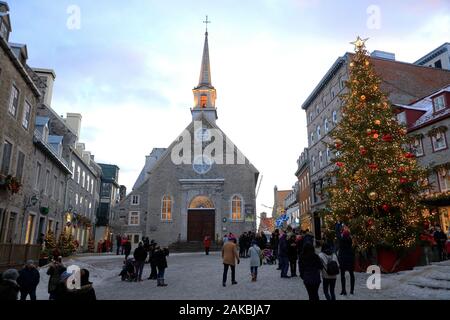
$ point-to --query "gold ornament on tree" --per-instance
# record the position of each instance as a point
(373, 196)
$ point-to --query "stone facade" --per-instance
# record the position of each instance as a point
(429, 129)
(15, 138)
(198, 186)
(304, 194)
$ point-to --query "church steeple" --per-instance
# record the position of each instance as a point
(205, 71)
(205, 93)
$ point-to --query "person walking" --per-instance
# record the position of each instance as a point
(241, 245)
(292, 255)
(207, 244)
(283, 255)
(122, 244)
(310, 266)
(346, 259)
(229, 257)
(28, 281)
(152, 260)
(127, 248)
(274, 242)
(330, 270)
(9, 289)
(441, 238)
(161, 264)
(140, 255)
(118, 243)
(255, 259)
(54, 272)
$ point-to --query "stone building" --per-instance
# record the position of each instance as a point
(428, 121)
(19, 97)
(403, 82)
(304, 195)
(291, 207)
(438, 58)
(200, 185)
(83, 187)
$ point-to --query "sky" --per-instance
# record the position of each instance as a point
(129, 67)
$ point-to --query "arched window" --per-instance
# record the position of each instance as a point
(203, 100)
(334, 116)
(325, 125)
(236, 208)
(166, 209)
(318, 133)
(312, 138)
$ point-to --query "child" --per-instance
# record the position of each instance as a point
(255, 259)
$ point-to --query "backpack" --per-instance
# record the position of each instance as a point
(332, 268)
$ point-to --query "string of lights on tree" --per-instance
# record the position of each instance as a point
(377, 183)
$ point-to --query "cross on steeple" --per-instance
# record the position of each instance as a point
(206, 22)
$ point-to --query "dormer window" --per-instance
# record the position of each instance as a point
(203, 100)
(439, 103)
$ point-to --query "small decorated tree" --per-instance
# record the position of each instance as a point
(66, 244)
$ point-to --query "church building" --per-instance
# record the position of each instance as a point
(201, 185)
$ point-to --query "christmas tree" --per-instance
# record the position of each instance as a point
(377, 186)
(66, 244)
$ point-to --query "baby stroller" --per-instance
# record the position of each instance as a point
(128, 272)
(269, 258)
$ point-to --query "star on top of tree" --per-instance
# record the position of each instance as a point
(359, 43)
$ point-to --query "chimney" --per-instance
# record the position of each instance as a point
(73, 120)
(383, 55)
(48, 76)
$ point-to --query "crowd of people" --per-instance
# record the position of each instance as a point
(16, 285)
(146, 252)
(295, 252)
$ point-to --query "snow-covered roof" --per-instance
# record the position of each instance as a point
(426, 104)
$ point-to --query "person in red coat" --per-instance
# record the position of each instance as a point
(207, 244)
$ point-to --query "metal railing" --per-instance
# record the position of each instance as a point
(38, 137)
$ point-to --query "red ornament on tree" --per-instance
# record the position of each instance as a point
(387, 138)
(362, 151)
(403, 180)
(373, 166)
(409, 155)
(385, 207)
(340, 164)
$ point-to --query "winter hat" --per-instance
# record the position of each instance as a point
(30, 262)
(10, 274)
(346, 233)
